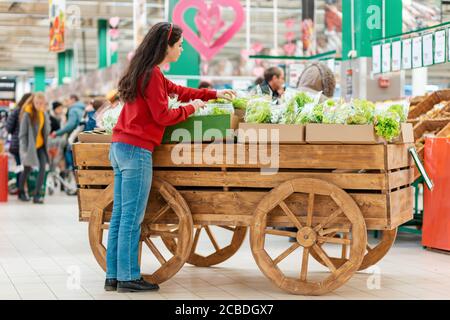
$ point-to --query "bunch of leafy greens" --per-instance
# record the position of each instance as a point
(240, 103)
(258, 111)
(387, 125)
(295, 107)
(398, 109)
(219, 111)
(362, 112)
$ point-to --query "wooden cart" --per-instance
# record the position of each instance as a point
(333, 194)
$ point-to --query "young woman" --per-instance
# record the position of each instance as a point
(33, 134)
(144, 90)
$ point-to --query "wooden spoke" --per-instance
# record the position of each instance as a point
(304, 270)
(310, 210)
(228, 228)
(104, 226)
(155, 251)
(290, 214)
(282, 233)
(286, 253)
(140, 252)
(344, 247)
(196, 237)
(324, 257)
(159, 213)
(327, 231)
(335, 240)
(332, 216)
(211, 237)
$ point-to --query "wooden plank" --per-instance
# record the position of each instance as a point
(91, 154)
(373, 206)
(400, 178)
(248, 156)
(398, 156)
(354, 181)
(94, 177)
(401, 206)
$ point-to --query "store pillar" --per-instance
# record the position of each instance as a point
(39, 79)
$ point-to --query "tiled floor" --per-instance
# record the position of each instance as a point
(45, 254)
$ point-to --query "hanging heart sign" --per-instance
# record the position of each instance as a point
(209, 21)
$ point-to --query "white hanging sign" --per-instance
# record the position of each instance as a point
(406, 54)
(376, 58)
(396, 55)
(439, 46)
(386, 58)
(417, 52)
(427, 46)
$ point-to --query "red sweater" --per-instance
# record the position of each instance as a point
(143, 121)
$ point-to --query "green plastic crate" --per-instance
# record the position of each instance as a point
(202, 128)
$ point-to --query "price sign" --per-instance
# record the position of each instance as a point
(407, 54)
(386, 65)
(417, 52)
(376, 59)
(396, 55)
(427, 49)
(439, 46)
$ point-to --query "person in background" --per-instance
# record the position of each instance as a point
(91, 109)
(273, 83)
(33, 136)
(205, 85)
(75, 114)
(317, 77)
(13, 127)
(56, 115)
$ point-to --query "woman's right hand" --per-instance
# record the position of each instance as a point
(198, 104)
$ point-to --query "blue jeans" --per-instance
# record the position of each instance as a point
(132, 182)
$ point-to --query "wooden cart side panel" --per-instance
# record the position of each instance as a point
(370, 157)
(221, 204)
(401, 207)
(398, 156)
(400, 178)
(355, 181)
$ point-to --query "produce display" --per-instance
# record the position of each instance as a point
(304, 108)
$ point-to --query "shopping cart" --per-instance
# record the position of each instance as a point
(59, 178)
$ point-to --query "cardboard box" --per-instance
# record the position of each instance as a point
(202, 128)
(90, 137)
(353, 134)
(271, 133)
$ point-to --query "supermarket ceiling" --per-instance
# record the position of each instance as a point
(24, 28)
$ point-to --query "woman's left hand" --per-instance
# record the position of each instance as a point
(226, 94)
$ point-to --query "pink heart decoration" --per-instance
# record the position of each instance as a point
(208, 51)
(114, 33)
(130, 55)
(289, 48)
(113, 46)
(114, 22)
(210, 24)
(289, 36)
(289, 23)
(257, 47)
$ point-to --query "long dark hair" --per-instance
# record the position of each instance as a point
(149, 54)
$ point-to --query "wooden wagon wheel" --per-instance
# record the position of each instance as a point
(220, 254)
(373, 254)
(310, 231)
(169, 201)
